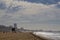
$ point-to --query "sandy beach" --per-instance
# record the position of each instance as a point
(20, 36)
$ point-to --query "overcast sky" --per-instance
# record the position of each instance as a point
(31, 14)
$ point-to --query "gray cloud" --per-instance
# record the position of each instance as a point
(29, 14)
(43, 1)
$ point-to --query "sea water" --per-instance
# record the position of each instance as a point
(51, 35)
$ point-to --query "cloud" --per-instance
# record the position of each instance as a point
(2, 6)
(44, 1)
(29, 14)
(28, 7)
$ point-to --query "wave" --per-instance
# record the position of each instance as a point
(55, 36)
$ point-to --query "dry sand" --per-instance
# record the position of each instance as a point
(19, 36)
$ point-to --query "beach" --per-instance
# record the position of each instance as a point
(29, 36)
(20, 36)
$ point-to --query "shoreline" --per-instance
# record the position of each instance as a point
(20, 36)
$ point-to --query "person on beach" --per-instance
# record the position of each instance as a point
(13, 30)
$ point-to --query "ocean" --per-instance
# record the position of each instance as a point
(50, 35)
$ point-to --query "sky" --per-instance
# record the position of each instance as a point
(31, 14)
